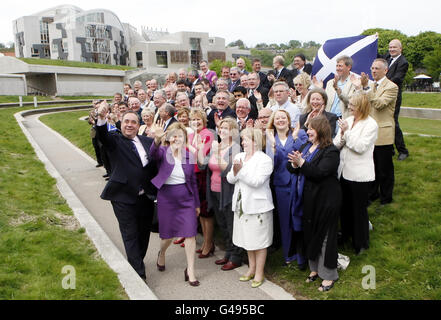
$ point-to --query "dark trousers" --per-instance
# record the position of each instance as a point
(399, 139)
(96, 147)
(224, 219)
(354, 215)
(383, 185)
(105, 159)
(135, 221)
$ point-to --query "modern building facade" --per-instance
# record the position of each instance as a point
(70, 33)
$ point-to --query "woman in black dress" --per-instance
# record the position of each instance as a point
(316, 164)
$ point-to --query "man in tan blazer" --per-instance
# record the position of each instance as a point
(383, 96)
(340, 89)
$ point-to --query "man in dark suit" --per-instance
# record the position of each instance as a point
(281, 71)
(257, 94)
(167, 114)
(235, 78)
(299, 65)
(257, 66)
(221, 110)
(129, 188)
(398, 66)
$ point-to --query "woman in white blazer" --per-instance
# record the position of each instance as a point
(356, 139)
(252, 203)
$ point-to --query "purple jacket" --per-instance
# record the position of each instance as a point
(165, 162)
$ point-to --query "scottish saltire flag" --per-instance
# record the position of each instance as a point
(362, 49)
(111, 127)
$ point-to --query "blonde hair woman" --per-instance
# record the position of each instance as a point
(252, 203)
(147, 116)
(356, 140)
(178, 199)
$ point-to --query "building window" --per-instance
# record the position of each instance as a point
(161, 59)
(179, 57)
(44, 32)
(35, 52)
(139, 59)
(219, 55)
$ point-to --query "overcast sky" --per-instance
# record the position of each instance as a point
(275, 21)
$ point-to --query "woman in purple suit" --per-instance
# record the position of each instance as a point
(178, 199)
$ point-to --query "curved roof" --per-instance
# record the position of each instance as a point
(69, 9)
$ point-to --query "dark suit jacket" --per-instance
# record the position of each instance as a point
(307, 68)
(254, 113)
(264, 80)
(233, 85)
(128, 175)
(286, 74)
(172, 120)
(397, 72)
(228, 112)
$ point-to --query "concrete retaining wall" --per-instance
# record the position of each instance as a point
(88, 85)
(13, 85)
(421, 113)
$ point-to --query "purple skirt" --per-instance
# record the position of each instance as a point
(176, 212)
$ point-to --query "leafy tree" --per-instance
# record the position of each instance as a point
(216, 65)
(294, 44)
(309, 53)
(311, 44)
(265, 57)
(384, 37)
(2, 46)
(416, 48)
(432, 62)
(261, 45)
(238, 43)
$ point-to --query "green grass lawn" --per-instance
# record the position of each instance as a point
(421, 100)
(38, 232)
(422, 126)
(78, 64)
(405, 245)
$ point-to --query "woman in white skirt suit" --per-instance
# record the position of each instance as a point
(252, 203)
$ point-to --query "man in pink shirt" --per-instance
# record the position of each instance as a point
(207, 73)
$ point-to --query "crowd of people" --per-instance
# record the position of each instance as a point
(270, 159)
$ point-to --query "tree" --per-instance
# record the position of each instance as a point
(261, 45)
(238, 43)
(432, 62)
(416, 48)
(265, 57)
(311, 44)
(384, 37)
(216, 65)
(294, 44)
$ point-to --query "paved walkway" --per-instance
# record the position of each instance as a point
(86, 182)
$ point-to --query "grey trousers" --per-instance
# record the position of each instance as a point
(224, 219)
(319, 267)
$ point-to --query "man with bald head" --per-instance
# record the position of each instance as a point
(398, 66)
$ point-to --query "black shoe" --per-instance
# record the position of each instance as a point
(99, 165)
(106, 175)
(302, 266)
(402, 156)
(323, 288)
